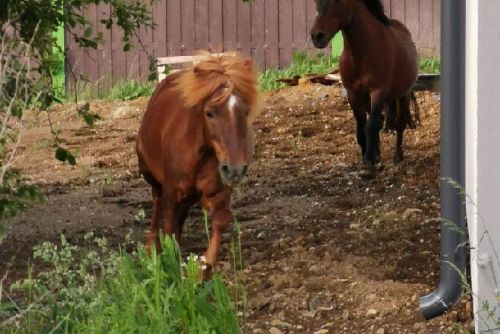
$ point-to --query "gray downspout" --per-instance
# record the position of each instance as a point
(452, 160)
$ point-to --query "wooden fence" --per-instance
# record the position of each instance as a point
(268, 30)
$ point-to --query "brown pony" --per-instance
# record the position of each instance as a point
(378, 67)
(196, 141)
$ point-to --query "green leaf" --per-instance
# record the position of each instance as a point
(90, 118)
(64, 155)
(87, 32)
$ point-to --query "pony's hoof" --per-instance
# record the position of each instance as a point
(206, 273)
(368, 171)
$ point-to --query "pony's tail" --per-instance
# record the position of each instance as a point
(395, 114)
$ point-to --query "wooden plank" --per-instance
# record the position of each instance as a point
(230, 24)
(73, 58)
(185, 59)
(244, 29)
(285, 32)
(412, 15)
(272, 34)
(426, 26)
(299, 23)
(119, 64)
(258, 33)
(311, 17)
(387, 7)
(437, 25)
(91, 66)
(104, 55)
(187, 26)
(215, 26)
(174, 35)
(160, 32)
(201, 31)
(398, 10)
(175, 60)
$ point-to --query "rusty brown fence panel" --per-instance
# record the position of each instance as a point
(267, 30)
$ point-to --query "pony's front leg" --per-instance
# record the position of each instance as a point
(169, 221)
(219, 206)
(373, 128)
(152, 236)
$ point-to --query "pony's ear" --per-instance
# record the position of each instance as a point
(197, 69)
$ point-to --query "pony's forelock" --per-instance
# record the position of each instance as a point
(201, 83)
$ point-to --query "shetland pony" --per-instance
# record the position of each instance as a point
(195, 143)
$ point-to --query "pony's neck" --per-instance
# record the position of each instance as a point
(365, 33)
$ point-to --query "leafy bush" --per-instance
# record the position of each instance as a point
(96, 290)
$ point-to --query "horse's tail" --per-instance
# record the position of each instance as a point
(396, 112)
(414, 118)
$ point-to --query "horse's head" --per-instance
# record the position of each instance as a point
(331, 16)
(228, 130)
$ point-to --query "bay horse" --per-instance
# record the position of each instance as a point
(195, 143)
(378, 67)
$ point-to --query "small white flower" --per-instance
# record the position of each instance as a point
(204, 267)
(203, 259)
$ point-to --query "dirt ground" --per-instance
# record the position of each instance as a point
(324, 251)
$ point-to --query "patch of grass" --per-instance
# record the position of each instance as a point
(96, 290)
(301, 64)
(430, 65)
(130, 90)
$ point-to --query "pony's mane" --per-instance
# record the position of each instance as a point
(201, 82)
(377, 9)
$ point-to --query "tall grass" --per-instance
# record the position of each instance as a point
(120, 293)
(301, 64)
(430, 65)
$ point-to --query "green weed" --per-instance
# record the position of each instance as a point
(301, 64)
(96, 290)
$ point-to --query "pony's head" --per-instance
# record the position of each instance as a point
(224, 88)
(335, 15)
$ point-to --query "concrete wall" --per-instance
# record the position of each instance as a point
(483, 157)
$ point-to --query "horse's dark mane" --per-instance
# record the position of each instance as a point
(377, 9)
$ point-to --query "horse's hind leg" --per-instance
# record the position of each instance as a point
(360, 108)
(403, 110)
(373, 127)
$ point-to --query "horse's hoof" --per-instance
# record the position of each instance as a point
(398, 158)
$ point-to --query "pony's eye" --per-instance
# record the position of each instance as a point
(210, 114)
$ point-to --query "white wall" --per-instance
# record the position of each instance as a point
(483, 155)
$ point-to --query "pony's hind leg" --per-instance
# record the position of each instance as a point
(403, 110)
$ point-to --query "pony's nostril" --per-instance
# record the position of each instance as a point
(244, 170)
(225, 169)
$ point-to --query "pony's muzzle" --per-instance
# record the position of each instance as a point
(320, 39)
(233, 174)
